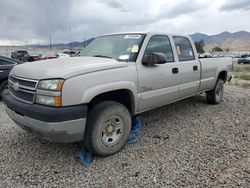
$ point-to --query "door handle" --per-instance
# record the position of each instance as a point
(195, 68)
(1, 71)
(175, 70)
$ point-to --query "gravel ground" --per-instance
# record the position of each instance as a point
(188, 143)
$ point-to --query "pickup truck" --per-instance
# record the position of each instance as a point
(21, 55)
(244, 59)
(93, 98)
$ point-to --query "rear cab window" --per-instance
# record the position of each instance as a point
(184, 48)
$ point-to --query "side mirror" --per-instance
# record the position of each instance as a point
(154, 58)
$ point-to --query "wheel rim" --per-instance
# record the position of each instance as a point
(219, 93)
(112, 130)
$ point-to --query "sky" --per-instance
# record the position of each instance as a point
(25, 22)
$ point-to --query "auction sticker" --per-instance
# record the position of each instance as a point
(135, 49)
(132, 37)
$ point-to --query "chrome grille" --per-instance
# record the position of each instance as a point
(23, 89)
(23, 82)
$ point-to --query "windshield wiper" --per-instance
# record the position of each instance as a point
(104, 56)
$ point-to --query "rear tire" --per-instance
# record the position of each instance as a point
(108, 127)
(3, 86)
(215, 96)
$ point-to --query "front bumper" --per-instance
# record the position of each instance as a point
(63, 125)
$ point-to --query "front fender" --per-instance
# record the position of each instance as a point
(94, 91)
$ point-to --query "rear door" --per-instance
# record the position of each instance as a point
(188, 65)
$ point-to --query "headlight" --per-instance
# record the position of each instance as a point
(49, 92)
(49, 100)
(53, 85)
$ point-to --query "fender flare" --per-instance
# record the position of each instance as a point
(94, 91)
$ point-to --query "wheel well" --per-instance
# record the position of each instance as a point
(122, 96)
(223, 76)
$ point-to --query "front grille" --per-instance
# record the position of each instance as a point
(22, 95)
(23, 82)
(22, 89)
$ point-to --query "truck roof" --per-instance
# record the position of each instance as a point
(143, 32)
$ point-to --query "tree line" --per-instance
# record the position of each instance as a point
(200, 47)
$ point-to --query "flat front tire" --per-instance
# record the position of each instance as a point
(108, 127)
(215, 96)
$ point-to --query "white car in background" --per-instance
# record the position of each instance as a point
(62, 55)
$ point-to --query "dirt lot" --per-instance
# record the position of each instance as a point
(188, 143)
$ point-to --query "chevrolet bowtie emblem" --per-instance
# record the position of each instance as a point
(16, 86)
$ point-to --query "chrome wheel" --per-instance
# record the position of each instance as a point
(112, 130)
(215, 96)
(219, 93)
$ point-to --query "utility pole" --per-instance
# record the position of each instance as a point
(50, 46)
(70, 35)
(6, 52)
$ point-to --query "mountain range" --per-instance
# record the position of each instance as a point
(73, 45)
(234, 42)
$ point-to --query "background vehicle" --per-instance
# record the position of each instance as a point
(94, 97)
(48, 56)
(244, 59)
(62, 55)
(6, 64)
(35, 57)
(71, 53)
(21, 55)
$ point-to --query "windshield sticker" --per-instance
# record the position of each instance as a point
(124, 57)
(135, 49)
(132, 37)
(178, 50)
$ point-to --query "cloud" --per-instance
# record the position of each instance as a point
(179, 8)
(32, 21)
(231, 5)
(113, 4)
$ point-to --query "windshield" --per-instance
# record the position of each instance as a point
(124, 47)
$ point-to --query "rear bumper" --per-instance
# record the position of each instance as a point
(64, 125)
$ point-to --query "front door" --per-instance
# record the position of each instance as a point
(158, 85)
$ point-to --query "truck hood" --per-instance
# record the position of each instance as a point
(64, 67)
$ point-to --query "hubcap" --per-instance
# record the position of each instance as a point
(219, 93)
(112, 130)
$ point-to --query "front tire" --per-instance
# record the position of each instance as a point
(108, 127)
(215, 96)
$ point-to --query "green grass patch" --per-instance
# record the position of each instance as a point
(245, 76)
(242, 72)
(242, 68)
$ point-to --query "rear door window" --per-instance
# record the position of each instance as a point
(184, 49)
